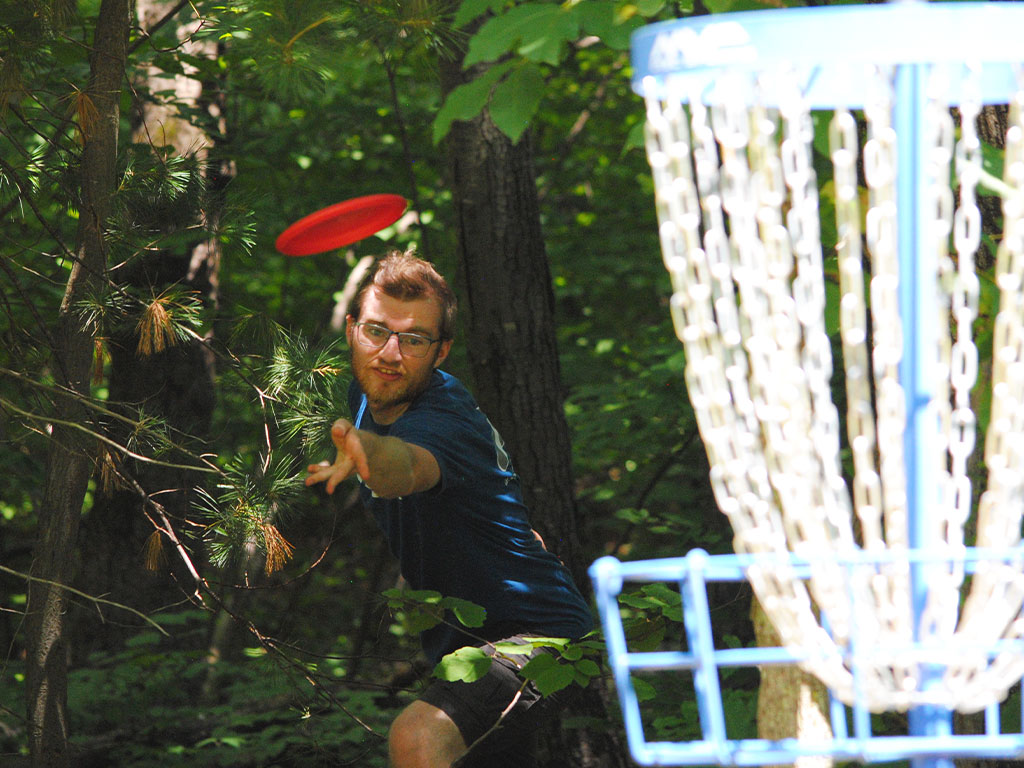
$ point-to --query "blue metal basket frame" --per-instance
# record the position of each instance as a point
(691, 575)
(831, 46)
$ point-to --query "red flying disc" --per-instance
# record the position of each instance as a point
(340, 224)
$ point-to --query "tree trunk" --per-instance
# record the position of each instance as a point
(505, 282)
(70, 458)
(791, 703)
(509, 307)
(175, 385)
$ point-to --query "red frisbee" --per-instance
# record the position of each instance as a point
(340, 224)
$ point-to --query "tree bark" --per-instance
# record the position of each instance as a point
(175, 385)
(508, 306)
(71, 456)
(791, 703)
(505, 282)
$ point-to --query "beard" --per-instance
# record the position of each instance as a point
(384, 396)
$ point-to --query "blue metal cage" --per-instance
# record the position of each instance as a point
(854, 737)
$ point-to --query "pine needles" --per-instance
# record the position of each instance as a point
(301, 388)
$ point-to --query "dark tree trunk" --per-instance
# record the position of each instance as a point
(505, 282)
(509, 310)
(71, 457)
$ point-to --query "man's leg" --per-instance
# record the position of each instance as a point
(423, 736)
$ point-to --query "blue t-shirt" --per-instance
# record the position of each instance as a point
(469, 536)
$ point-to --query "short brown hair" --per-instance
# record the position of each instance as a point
(405, 276)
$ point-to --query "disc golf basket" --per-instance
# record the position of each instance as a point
(819, 171)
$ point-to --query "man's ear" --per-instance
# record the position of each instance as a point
(350, 326)
(445, 347)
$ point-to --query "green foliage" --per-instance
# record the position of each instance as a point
(564, 662)
(152, 690)
(301, 385)
(303, 90)
(250, 501)
(424, 608)
(537, 35)
(537, 31)
(575, 662)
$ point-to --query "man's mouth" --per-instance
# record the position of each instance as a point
(387, 375)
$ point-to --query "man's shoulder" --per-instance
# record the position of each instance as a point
(446, 389)
(446, 405)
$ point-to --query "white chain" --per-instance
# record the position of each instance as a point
(738, 220)
(997, 591)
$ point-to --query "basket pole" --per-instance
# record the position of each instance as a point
(918, 312)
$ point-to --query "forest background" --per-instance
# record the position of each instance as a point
(170, 593)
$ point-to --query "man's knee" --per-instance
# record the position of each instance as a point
(423, 736)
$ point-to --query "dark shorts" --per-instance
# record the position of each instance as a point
(476, 709)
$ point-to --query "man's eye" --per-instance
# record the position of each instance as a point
(375, 332)
(415, 341)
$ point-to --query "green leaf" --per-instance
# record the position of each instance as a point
(516, 99)
(669, 600)
(467, 100)
(469, 614)
(588, 667)
(548, 673)
(420, 619)
(601, 18)
(555, 679)
(572, 653)
(466, 664)
(538, 665)
(537, 31)
(470, 9)
(644, 690)
(422, 607)
(548, 642)
(510, 648)
(636, 600)
(646, 634)
(650, 7)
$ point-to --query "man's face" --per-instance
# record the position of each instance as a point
(390, 379)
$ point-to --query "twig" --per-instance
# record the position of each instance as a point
(504, 713)
(72, 590)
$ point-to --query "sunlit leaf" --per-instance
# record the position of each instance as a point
(465, 664)
(538, 31)
(516, 99)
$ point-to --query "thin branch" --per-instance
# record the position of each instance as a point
(103, 411)
(104, 439)
(91, 598)
(584, 117)
(406, 149)
(652, 483)
(146, 34)
(504, 713)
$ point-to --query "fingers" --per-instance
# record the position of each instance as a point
(351, 458)
(348, 442)
(357, 454)
(332, 474)
(340, 430)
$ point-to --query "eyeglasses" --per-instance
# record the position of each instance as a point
(411, 344)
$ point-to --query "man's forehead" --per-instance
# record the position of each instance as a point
(424, 311)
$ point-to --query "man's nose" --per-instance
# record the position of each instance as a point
(391, 349)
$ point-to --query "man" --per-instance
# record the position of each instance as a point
(437, 479)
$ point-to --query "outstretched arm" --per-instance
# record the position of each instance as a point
(388, 466)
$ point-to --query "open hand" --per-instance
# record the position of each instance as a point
(351, 458)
